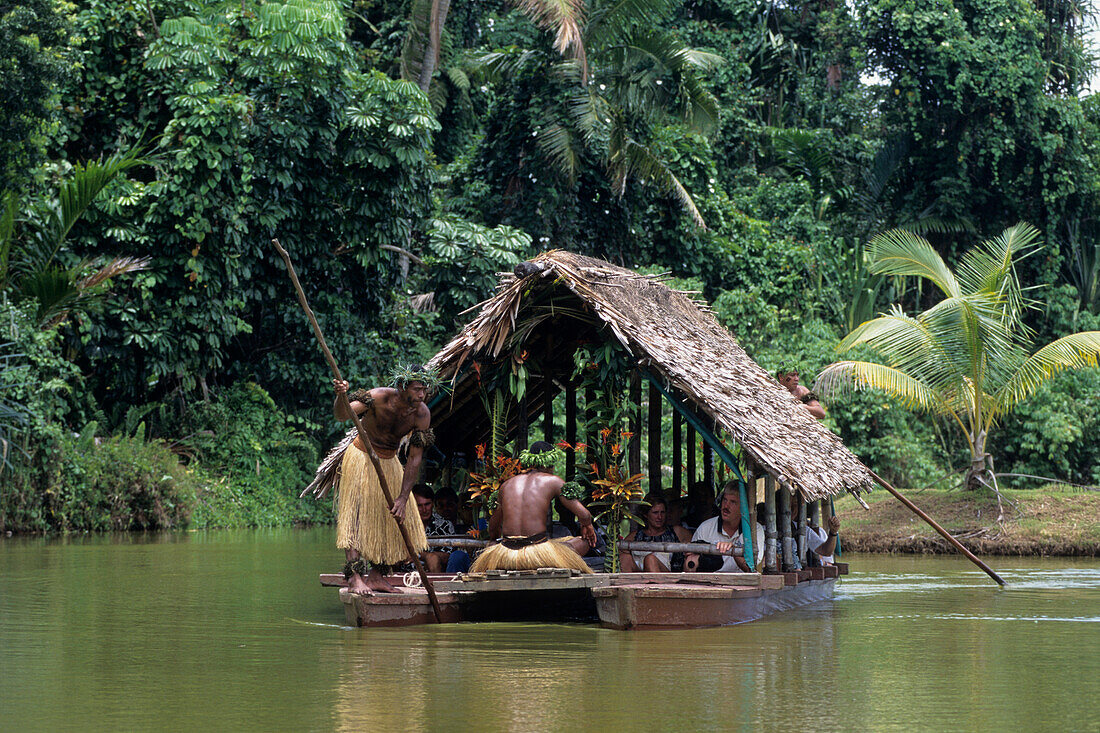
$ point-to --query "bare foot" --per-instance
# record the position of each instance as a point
(357, 584)
(377, 582)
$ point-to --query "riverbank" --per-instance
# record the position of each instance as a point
(1050, 521)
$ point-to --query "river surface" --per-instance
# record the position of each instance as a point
(231, 631)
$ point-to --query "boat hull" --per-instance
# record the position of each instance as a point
(619, 601)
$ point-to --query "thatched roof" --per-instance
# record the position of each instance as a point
(675, 339)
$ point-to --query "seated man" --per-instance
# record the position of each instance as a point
(435, 559)
(519, 520)
(446, 506)
(822, 545)
(724, 531)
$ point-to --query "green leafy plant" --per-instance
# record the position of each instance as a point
(969, 356)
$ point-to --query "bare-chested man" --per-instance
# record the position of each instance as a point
(519, 521)
(789, 379)
(365, 526)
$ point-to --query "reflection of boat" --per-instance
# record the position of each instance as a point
(616, 600)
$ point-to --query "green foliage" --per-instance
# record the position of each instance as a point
(33, 34)
(465, 259)
(117, 483)
(258, 459)
(266, 129)
(1054, 434)
(987, 91)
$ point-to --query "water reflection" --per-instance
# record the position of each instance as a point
(231, 630)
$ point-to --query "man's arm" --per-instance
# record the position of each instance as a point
(412, 466)
(588, 532)
(816, 409)
(828, 547)
(340, 409)
(496, 522)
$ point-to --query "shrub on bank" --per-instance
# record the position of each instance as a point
(118, 483)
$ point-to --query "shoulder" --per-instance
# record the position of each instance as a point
(705, 529)
(682, 533)
(423, 417)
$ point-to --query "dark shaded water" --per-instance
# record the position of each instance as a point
(230, 630)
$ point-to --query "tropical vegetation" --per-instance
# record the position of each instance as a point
(406, 151)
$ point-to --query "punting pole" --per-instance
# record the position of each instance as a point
(359, 428)
(946, 535)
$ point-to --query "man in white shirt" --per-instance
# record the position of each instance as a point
(821, 543)
(724, 531)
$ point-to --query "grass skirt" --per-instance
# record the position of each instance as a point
(363, 521)
(550, 554)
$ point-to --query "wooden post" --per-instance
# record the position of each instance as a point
(771, 564)
(522, 426)
(815, 513)
(691, 477)
(590, 433)
(634, 449)
(750, 488)
(677, 455)
(571, 429)
(783, 500)
(708, 469)
(802, 530)
(653, 437)
(548, 408)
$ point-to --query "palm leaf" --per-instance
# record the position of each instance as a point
(86, 183)
(564, 18)
(640, 162)
(898, 252)
(559, 145)
(1069, 352)
(846, 376)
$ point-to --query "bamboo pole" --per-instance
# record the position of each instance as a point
(943, 532)
(677, 455)
(771, 563)
(697, 548)
(653, 439)
(801, 531)
(784, 502)
(362, 432)
(570, 429)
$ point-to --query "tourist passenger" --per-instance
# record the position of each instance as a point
(724, 531)
(519, 521)
(446, 504)
(435, 559)
(656, 529)
(789, 379)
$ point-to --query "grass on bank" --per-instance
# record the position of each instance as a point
(1057, 520)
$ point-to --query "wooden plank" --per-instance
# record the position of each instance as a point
(842, 568)
(702, 579)
(817, 573)
(831, 571)
(790, 578)
(771, 561)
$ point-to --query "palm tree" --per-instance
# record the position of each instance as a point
(30, 263)
(969, 357)
(626, 76)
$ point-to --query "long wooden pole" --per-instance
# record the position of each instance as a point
(946, 535)
(359, 428)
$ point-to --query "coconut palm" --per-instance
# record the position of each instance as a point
(968, 357)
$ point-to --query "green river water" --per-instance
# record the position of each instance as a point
(231, 631)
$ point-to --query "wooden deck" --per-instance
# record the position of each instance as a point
(618, 601)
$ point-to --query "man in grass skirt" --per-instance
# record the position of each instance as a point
(365, 526)
(519, 520)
